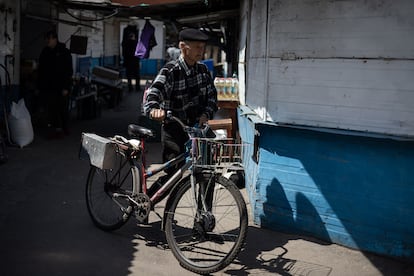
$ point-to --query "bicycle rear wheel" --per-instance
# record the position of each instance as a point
(107, 193)
(207, 243)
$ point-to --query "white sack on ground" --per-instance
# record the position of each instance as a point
(20, 124)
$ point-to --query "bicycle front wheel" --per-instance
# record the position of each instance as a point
(207, 236)
(107, 196)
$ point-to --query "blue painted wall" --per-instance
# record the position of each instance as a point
(150, 67)
(352, 190)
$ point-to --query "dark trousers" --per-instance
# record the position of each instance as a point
(173, 139)
(58, 110)
(133, 72)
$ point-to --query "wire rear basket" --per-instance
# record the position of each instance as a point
(213, 154)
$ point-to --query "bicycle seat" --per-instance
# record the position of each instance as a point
(139, 131)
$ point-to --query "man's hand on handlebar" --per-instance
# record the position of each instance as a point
(157, 114)
(203, 128)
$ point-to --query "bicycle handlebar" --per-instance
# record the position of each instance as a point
(196, 131)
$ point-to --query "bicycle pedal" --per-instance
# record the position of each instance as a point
(127, 212)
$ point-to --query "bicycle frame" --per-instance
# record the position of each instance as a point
(137, 160)
(135, 157)
(173, 179)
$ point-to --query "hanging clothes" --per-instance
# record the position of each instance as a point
(147, 41)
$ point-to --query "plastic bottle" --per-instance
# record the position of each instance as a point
(219, 87)
(216, 83)
(222, 88)
(228, 82)
(234, 87)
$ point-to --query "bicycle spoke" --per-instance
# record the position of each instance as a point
(207, 243)
(107, 194)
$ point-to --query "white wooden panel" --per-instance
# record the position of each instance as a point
(258, 24)
(371, 95)
(256, 85)
(243, 49)
(320, 28)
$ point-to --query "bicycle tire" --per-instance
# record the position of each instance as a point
(221, 243)
(109, 212)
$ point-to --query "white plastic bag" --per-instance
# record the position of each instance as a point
(20, 124)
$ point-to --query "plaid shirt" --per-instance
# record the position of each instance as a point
(187, 92)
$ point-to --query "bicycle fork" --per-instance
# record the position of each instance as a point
(203, 196)
(204, 220)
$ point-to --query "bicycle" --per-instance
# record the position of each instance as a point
(205, 216)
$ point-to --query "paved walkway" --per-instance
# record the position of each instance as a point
(45, 229)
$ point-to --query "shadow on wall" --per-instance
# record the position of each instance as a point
(302, 218)
(351, 190)
(308, 219)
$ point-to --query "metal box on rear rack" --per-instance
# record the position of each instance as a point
(100, 150)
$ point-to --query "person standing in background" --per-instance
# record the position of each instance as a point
(55, 80)
(131, 62)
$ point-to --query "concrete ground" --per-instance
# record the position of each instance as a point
(45, 228)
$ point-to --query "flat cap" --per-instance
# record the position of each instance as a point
(192, 35)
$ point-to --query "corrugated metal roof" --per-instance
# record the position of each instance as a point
(92, 1)
(170, 10)
(136, 3)
(133, 3)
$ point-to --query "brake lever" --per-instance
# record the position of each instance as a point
(171, 117)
